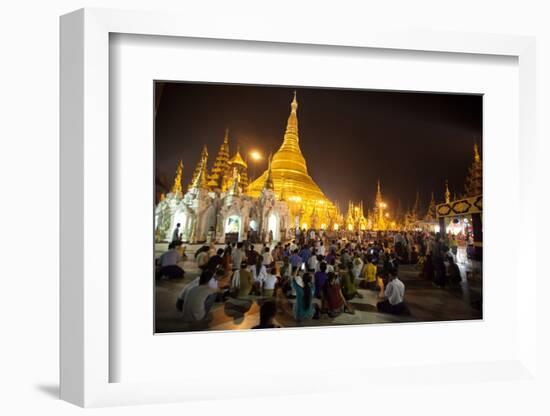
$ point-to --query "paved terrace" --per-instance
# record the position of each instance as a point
(425, 302)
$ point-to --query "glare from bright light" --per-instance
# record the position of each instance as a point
(255, 155)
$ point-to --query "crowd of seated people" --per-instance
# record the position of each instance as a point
(319, 276)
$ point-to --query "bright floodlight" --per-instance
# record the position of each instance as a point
(255, 155)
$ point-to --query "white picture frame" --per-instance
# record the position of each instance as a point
(85, 217)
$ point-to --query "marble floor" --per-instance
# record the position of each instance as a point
(425, 303)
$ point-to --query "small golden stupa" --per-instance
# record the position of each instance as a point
(309, 206)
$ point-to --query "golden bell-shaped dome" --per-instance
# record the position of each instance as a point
(289, 172)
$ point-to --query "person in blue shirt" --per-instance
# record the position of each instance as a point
(305, 254)
(320, 279)
(295, 262)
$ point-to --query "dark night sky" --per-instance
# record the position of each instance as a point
(349, 138)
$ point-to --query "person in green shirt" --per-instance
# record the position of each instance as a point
(348, 282)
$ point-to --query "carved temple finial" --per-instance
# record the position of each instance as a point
(176, 187)
(447, 192)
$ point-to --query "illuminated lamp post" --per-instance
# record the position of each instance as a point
(255, 156)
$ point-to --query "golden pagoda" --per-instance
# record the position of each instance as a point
(290, 178)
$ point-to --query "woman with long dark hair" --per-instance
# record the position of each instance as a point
(304, 308)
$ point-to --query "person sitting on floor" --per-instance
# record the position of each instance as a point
(169, 268)
(333, 301)
(269, 282)
(242, 282)
(267, 257)
(320, 279)
(202, 258)
(259, 273)
(369, 275)
(268, 310)
(304, 308)
(215, 261)
(348, 281)
(200, 299)
(394, 294)
(357, 266)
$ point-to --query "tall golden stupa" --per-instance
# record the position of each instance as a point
(309, 207)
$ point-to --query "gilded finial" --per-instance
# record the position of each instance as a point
(176, 187)
(447, 192)
(294, 104)
(477, 158)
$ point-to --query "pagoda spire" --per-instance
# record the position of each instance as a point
(292, 123)
(220, 169)
(430, 214)
(269, 180)
(447, 192)
(199, 180)
(474, 180)
(176, 187)
(378, 199)
(477, 158)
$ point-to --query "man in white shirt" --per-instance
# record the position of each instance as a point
(199, 300)
(394, 294)
(267, 258)
(168, 263)
(237, 257)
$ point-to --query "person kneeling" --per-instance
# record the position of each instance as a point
(394, 294)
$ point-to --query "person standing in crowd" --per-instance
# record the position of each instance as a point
(394, 294)
(176, 233)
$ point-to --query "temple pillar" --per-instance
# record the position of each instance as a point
(442, 229)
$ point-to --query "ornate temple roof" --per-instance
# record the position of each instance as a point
(237, 160)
